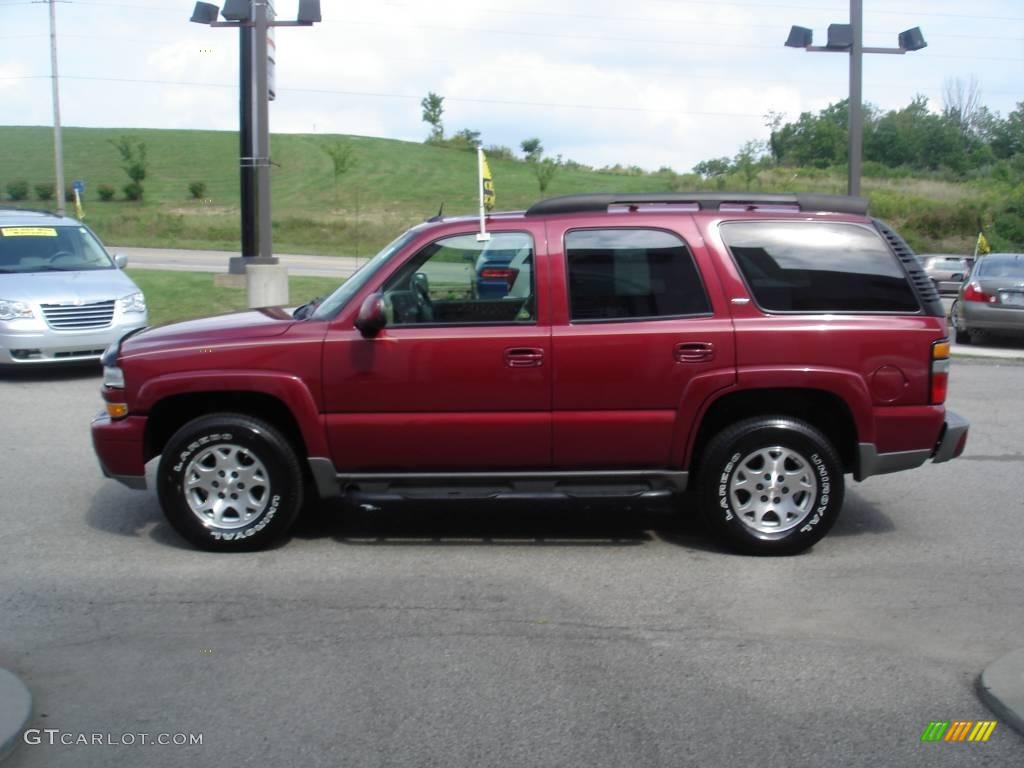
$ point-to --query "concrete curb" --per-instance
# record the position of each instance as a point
(15, 711)
(1001, 688)
(987, 353)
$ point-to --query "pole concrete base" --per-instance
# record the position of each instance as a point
(266, 285)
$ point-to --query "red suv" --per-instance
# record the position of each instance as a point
(756, 348)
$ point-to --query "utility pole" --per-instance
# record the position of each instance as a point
(855, 105)
(58, 142)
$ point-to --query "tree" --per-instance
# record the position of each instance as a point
(749, 161)
(961, 102)
(544, 169)
(433, 108)
(133, 154)
(465, 139)
(342, 155)
(773, 121)
(532, 149)
(718, 166)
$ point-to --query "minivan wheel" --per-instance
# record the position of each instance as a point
(770, 485)
(229, 482)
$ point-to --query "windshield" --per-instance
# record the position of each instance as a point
(1002, 265)
(330, 306)
(51, 249)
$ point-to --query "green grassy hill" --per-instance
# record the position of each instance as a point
(391, 185)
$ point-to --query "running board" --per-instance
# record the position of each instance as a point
(529, 486)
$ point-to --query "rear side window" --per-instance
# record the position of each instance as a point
(631, 274)
(818, 267)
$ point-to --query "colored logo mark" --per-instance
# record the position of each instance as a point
(958, 730)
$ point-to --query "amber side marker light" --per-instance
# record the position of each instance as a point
(117, 410)
(940, 371)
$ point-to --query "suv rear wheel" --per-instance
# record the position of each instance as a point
(770, 485)
(229, 482)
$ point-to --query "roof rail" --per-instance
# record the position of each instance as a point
(594, 203)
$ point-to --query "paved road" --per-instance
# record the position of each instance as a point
(501, 636)
(217, 261)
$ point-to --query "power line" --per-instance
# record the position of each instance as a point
(606, 38)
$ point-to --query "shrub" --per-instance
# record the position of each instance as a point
(133, 191)
(69, 193)
(106, 192)
(44, 191)
(197, 189)
(18, 190)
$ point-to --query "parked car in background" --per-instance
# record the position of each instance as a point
(992, 299)
(62, 297)
(947, 271)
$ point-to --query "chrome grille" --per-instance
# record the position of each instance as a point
(71, 317)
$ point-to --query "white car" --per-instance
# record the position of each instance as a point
(62, 297)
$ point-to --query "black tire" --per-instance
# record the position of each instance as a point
(807, 512)
(960, 335)
(250, 518)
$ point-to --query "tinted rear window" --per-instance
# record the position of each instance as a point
(818, 267)
(1002, 265)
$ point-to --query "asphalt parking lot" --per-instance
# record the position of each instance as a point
(509, 636)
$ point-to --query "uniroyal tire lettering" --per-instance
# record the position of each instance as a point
(184, 455)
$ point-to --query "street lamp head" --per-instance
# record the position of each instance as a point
(204, 13)
(237, 10)
(840, 37)
(309, 11)
(912, 40)
(799, 37)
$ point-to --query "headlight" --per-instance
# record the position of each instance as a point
(135, 302)
(9, 310)
(113, 377)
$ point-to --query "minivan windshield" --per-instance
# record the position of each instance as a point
(51, 249)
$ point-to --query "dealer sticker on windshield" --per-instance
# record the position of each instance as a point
(28, 231)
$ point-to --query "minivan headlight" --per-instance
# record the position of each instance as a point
(135, 302)
(10, 310)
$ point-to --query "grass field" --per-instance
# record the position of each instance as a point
(394, 184)
(172, 296)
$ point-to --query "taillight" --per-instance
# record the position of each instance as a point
(500, 273)
(973, 292)
(940, 371)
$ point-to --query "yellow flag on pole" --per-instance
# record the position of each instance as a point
(486, 182)
(982, 247)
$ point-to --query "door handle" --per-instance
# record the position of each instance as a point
(695, 352)
(524, 357)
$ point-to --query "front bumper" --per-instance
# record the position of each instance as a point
(119, 448)
(40, 345)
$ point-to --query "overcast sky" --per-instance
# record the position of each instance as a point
(647, 82)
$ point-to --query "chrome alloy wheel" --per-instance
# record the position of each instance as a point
(226, 486)
(773, 489)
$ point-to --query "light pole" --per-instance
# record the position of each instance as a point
(253, 19)
(849, 38)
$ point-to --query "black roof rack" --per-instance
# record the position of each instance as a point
(595, 203)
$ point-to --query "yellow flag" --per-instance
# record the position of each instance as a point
(486, 182)
(982, 246)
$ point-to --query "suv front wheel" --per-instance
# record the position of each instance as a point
(770, 485)
(229, 482)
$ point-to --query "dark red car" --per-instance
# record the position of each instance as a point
(757, 348)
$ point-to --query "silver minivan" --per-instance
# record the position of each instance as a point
(62, 297)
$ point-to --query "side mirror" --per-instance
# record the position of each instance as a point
(957, 278)
(372, 316)
(421, 281)
(120, 260)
